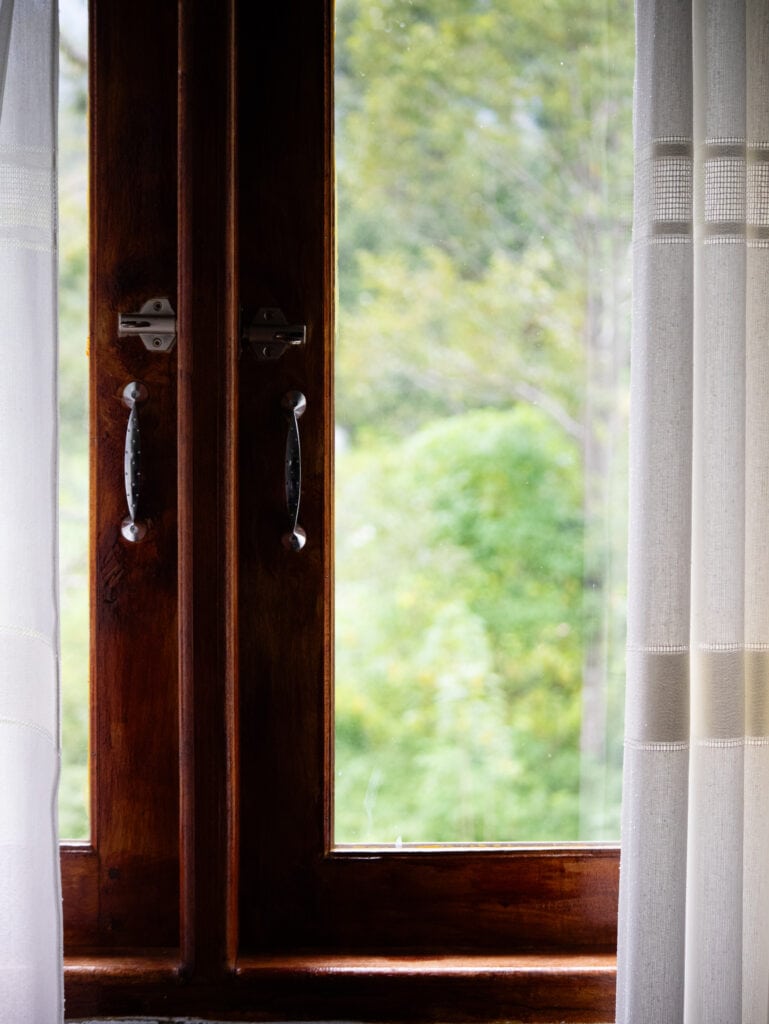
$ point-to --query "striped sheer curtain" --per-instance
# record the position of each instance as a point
(694, 902)
(30, 915)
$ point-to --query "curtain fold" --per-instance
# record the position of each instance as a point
(694, 891)
(30, 901)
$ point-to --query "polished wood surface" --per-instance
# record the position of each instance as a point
(127, 891)
(286, 255)
(578, 990)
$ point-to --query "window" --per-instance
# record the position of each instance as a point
(211, 885)
(483, 188)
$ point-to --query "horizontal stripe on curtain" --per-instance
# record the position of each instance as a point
(30, 902)
(694, 892)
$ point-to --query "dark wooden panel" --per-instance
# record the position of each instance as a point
(80, 894)
(134, 751)
(463, 900)
(286, 254)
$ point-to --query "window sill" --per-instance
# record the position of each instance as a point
(574, 988)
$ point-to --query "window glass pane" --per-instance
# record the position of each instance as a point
(73, 415)
(484, 174)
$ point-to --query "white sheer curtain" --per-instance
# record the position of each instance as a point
(694, 899)
(30, 904)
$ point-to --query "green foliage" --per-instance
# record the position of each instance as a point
(73, 449)
(484, 170)
(459, 636)
(422, 342)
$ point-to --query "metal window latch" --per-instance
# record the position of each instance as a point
(269, 334)
(155, 324)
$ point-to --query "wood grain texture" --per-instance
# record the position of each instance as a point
(80, 893)
(532, 989)
(286, 260)
(134, 792)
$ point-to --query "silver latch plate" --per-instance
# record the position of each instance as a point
(155, 324)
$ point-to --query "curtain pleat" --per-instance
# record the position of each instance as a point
(30, 900)
(694, 890)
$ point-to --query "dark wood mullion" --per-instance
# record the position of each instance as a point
(208, 349)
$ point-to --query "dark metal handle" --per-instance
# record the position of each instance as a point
(132, 527)
(294, 403)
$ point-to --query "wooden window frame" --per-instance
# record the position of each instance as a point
(211, 885)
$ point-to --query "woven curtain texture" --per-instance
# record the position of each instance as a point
(694, 891)
(30, 902)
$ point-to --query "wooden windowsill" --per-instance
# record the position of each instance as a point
(532, 987)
